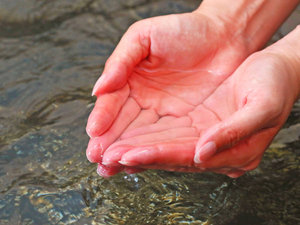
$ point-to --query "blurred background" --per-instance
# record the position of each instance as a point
(51, 53)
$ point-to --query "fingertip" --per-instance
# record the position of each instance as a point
(97, 124)
(92, 129)
(98, 85)
(94, 151)
(235, 174)
(139, 156)
(107, 171)
(112, 156)
(93, 158)
(197, 158)
(124, 163)
(114, 77)
(87, 130)
(205, 152)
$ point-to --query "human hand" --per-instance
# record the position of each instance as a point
(154, 47)
(234, 124)
(175, 62)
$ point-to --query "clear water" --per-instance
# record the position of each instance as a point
(51, 53)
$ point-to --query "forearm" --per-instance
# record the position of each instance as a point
(250, 21)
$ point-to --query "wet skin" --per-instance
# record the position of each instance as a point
(175, 99)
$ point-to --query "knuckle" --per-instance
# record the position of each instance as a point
(232, 136)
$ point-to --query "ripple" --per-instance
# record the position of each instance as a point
(51, 53)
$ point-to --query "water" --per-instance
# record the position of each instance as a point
(51, 53)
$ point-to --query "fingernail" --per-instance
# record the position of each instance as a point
(125, 163)
(105, 163)
(138, 157)
(98, 84)
(196, 158)
(204, 152)
(107, 171)
(101, 170)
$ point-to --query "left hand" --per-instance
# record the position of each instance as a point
(235, 124)
(162, 69)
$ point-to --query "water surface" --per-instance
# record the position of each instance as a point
(51, 53)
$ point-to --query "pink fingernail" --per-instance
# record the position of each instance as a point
(125, 163)
(196, 158)
(204, 152)
(102, 171)
(105, 163)
(98, 84)
(108, 171)
(137, 157)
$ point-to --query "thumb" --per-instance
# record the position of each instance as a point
(132, 49)
(233, 129)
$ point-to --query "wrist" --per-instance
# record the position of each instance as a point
(287, 49)
(249, 22)
(293, 68)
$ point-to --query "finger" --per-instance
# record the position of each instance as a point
(177, 153)
(94, 151)
(105, 111)
(114, 153)
(227, 133)
(132, 48)
(133, 170)
(235, 174)
(185, 169)
(161, 125)
(106, 171)
(252, 165)
(157, 137)
(145, 117)
(98, 145)
(241, 154)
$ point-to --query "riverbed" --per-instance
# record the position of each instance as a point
(51, 53)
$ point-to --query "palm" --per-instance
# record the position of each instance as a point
(167, 141)
(171, 94)
(168, 113)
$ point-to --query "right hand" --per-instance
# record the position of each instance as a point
(241, 117)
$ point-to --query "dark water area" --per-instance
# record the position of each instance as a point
(51, 53)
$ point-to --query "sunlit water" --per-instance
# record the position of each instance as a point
(51, 53)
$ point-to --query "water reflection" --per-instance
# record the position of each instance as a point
(51, 53)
